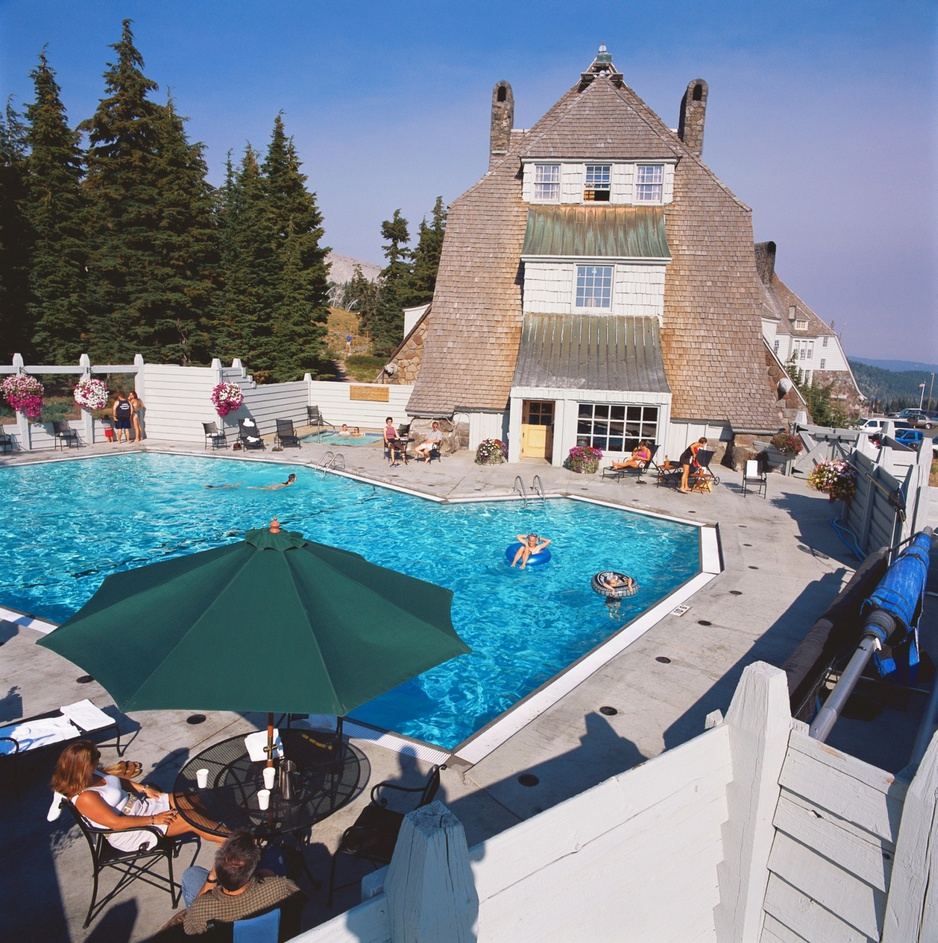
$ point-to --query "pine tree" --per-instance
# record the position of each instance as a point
(56, 208)
(387, 325)
(247, 267)
(299, 311)
(427, 257)
(15, 238)
(151, 219)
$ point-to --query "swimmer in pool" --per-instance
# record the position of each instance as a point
(283, 484)
(529, 547)
(238, 485)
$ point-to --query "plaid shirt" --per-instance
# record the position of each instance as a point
(215, 904)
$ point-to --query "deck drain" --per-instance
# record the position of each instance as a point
(608, 711)
(747, 545)
(663, 659)
(196, 719)
(736, 592)
(703, 622)
(753, 568)
(528, 779)
(84, 679)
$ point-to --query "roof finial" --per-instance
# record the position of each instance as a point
(275, 526)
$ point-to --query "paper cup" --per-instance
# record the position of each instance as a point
(201, 777)
(269, 774)
(263, 798)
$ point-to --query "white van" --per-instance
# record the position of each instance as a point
(875, 426)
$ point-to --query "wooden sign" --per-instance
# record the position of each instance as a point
(374, 394)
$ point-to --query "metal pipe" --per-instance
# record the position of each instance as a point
(827, 716)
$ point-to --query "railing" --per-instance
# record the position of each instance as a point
(537, 486)
(331, 460)
(519, 487)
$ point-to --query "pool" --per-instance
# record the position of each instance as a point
(69, 524)
(336, 438)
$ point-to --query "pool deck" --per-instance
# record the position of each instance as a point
(783, 564)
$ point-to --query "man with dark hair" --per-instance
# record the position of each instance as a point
(232, 890)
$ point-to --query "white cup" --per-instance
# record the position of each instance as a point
(201, 777)
(263, 798)
(269, 774)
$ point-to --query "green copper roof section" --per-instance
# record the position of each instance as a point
(594, 232)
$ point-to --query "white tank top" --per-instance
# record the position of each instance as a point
(112, 793)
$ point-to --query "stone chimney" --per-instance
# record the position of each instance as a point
(690, 128)
(503, 119)
(765, 261)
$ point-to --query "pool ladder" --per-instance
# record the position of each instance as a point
(331, 460)
(537, 488)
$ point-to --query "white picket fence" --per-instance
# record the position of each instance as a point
(750, 832)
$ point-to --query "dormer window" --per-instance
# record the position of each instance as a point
(648, 183)
(547, 182)
(597, 183)
(594, 286)
(801, 324)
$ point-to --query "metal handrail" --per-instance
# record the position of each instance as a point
(519, 487)
(537, 486)
(331, 460)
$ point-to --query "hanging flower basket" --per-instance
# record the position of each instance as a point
(227, 397)
(838, 480)
(584, 459)
(91, 394)
(786, 443)
(491, 452)
(24, 394)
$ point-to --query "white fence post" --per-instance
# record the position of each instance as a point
(84, 362)
(430, 889)
(912, 905)
(759, 721)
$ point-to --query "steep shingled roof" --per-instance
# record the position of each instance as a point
(711, 335)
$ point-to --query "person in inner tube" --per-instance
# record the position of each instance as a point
(530, 545)
(613, 582)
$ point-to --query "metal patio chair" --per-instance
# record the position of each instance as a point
(218, 440)
(617, 474)
(249, 435)
(754, 478)
(130, 865)
(315, 418)
(286, 434)
(373, 836)
(65, 436)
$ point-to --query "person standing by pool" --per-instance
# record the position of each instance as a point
(123, 414)
(529, 547)
(432, 441)
(136, 407)
(689, 459)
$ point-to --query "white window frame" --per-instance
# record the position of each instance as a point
(592, 287)
(598, 185)
(649, 183)
(547, 183)
(617, 427)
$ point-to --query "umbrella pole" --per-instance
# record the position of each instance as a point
(270, 739)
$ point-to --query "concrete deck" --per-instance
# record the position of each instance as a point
(784, 563)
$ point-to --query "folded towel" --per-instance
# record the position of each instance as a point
(37, 733)
(85, 715)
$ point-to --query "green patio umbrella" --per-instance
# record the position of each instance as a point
(274, 623)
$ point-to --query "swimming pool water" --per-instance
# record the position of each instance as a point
(336, 438)
(67, 525)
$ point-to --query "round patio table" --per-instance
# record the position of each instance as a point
(327, 778)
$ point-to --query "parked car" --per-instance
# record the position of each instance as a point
(875, 426)
(919, 419)
(903, 413)
(911, 437)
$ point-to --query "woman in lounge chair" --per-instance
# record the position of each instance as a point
(641, 456)
(109, 802)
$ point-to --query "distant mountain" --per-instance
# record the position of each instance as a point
(343, 268)
(898, 366)
(888, 390)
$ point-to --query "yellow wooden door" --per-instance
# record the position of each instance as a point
(537, 429)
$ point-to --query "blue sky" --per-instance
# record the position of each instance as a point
(820, 114)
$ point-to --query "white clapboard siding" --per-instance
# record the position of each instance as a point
(807, 920)
(844, 785)
(338, 404)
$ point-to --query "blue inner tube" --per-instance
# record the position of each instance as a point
(601, 584)
(536, 559)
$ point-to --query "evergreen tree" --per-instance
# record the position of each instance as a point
(387, 325)
(150, 213)
(299, 299)
(56, 209)
(247, 266)
(360, 294)
(427, 257)
(15, 238)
